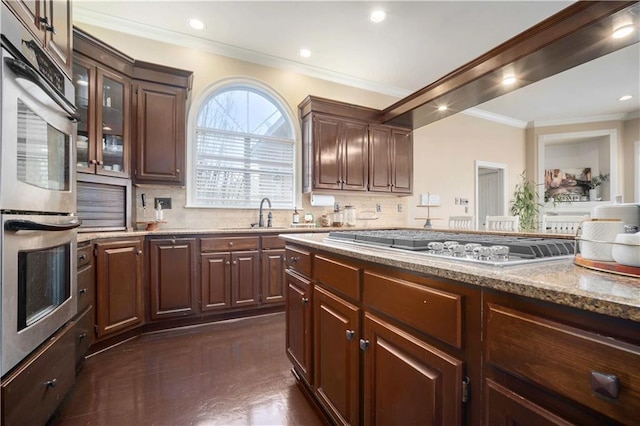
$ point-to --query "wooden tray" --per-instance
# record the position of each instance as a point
(613, 267)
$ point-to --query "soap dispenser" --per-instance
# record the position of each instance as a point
(296, 215)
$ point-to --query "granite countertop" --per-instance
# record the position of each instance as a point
(557, 281)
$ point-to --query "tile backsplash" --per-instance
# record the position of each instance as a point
(392, 211)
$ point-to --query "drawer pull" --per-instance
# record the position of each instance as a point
(82, 291)
(81, 336)
(350, 334)
(305, 300)
(82, 257)
(605, 385)
(364, 344)
(294, 259)
(231, 244)
(51, 383)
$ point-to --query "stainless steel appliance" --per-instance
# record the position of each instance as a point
(38, 281)
(495, 250)
(37, 195)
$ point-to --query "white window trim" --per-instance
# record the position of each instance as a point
(191, 135)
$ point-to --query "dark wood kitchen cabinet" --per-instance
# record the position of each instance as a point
(230, 272)
(273, 286)
(119, 304)
(390, 159)
(159, 105)
(339, 152)
(299, 335)
(172, 277)
(337, 149)
(558, 366)
(103, 98)
(50, 22)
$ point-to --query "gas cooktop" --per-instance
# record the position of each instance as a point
(496, 250)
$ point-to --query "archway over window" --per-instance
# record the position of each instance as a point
(243, 149)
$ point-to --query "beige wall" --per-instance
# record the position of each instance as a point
(631, 136)
(444, 162)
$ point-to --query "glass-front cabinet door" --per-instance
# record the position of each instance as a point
(103, 101)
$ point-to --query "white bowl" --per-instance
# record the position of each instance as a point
(626, 249)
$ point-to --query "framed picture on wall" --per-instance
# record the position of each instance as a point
(566, 184)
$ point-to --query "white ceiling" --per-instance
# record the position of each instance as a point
(419, 42)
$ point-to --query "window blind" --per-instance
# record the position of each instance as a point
(234, 169)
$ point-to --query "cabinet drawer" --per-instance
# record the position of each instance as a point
(435, 312)
(86, 287)
(83, 333)
(229, 244)
(85, 256)
(565, 359)
(272, 242)
(32, 393)
(340, 276)
(299, 259)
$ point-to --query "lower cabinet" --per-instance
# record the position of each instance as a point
(245, 278)
(299, 331)
(83, 333)
(32, 392)
(406, 380)
(336, 356)
(273, 282)
(119, 303)
(172, 282)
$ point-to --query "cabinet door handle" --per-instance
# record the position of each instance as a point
(605, 385)
(82, 291)
(350, 334)
(51, 383)
(92, 162)
(364, 344)
(82, 257)
(100, 163)
(81, 336)
(305, 300)
(294, 259)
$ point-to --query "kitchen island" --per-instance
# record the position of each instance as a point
(446, 342)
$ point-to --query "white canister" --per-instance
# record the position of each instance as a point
(628, 213)
(597, 238)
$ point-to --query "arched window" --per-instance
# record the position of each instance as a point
(243, 150)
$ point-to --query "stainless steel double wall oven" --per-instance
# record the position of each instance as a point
(37, 195)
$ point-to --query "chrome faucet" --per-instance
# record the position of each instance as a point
(269, 217)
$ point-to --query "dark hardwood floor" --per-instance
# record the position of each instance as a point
(227, 373)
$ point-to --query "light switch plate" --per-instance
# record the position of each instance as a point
(378, 208)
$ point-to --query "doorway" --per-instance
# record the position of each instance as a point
(490, 191)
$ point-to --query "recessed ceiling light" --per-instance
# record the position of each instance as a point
(625, 98)
(443, 108)
(305, 53)
(196, 24)
(623, 31)
(509, 80)
(377, 16)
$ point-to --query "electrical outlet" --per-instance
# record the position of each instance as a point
(378, 208)
(166, 203)
(464, 201)
(399, 208)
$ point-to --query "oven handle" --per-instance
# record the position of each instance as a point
(22, 70)
(29, 225)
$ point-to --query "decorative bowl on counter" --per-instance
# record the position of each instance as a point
(626, 249)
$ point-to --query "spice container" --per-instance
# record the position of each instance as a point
(350, 215)
(337, 219)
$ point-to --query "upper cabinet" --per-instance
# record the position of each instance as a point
(390, 159)
(159, 108)
(345, 148)
(50, 22)
(103, 101)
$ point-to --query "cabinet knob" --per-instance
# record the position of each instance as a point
(81, 336)
(294, 259)
(235, 262)
(82, 291)
(173, 241)
(350, 334)
(230, 243)
(92, 161)
(177, 170)
(82, 257)
(51, 383)
(228, 263)
(305, 300)
(605, 385)
(100, 163)
(139, 252)
(364, 344)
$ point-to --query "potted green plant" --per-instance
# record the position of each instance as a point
(525, 204)
(596, 181)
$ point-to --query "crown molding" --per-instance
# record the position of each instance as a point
(185, 40)
(498, 118)
(579, 120)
